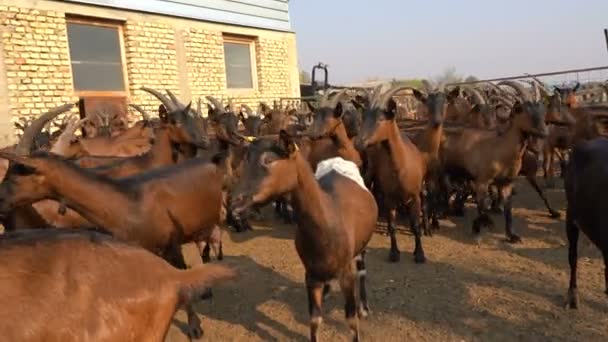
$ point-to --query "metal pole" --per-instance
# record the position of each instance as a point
(606, 36)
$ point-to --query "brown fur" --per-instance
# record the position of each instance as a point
(331, 234)
(56, 284)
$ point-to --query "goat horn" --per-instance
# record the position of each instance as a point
(389, 94)
(141, 111)
(543, 90)
(519, 88)
(427, 85)
(337, 98)
(199, 107)
(216, 103)
(248, 109)
(504, 100)
(375, 96)
(477, 95)
(27, 139)
(162, 98)
(174, 98)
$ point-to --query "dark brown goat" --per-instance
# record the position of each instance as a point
(58, 294)
(332, 234)
(146, 208)
(396, 165)
(586, 184)
(487, 158)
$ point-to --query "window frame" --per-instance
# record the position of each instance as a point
(123, 60)
(250, 42)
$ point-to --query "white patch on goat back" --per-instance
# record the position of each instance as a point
(344, 167)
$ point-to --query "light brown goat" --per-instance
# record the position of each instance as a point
(62, 293)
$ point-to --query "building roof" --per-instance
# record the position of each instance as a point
(266, 14)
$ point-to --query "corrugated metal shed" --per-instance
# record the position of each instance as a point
(268, 14)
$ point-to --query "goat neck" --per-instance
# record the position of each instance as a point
(308, 198)
(346, 147)
(82, 191)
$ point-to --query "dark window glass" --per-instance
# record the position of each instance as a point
(95, 56)
(238, 65)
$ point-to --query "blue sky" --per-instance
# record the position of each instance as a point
(362, 39)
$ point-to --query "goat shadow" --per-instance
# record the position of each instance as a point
(441, 295)
(239, 303)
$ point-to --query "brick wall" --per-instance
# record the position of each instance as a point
(151, 60)
(205, 59)
(36, 60)
(37, 71)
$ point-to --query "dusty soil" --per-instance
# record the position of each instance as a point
(494, 292)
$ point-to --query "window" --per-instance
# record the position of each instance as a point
(96, 57)
(239, 58)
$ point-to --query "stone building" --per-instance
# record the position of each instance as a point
(54, 52)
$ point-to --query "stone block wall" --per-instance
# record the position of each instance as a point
(150, 52)
(36, 59)
(160, 53)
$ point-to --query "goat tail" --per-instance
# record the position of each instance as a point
(196, 281)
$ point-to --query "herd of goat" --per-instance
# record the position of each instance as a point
(133, 195)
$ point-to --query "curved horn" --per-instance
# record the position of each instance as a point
(162, 98)
(477, 95)
(504, 100)
(248, 109)
(427, 85)
(199, 107)
(174, 98)
(27, 139)
(519, 88)
(389, 94)
(337, 98)
(216, 103)
(541, 86)
(375, 95)
(141, 111)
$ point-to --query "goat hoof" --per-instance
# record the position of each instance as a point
(194, 332)
(419, 258)
(555, 214)
(207, 295)
(572, 302)
(394, 256)
(364, 311)
(514, 239)
(206, 258)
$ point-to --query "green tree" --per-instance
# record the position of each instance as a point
(449, 75)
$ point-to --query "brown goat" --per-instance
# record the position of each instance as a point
(486, 158)
(398, 168)
(61, 292)
(332, 234)
(143, 208)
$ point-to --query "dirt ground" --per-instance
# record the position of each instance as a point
(495, 292)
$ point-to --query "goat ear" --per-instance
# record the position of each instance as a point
(288, 142)
(391, 110)
(242, 118)
(310, 106)
(338, 110)
(419, 95)
(578, 85)
(22, 160)
(454, 93)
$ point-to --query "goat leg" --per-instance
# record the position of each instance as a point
(364, 310)
(532, 180)
(425, 210)
(415, 209)
(572, 234)
(482, 220)
(315, 303)
(507, 198)
(394, 253)
(176, 258)
(348, 284)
